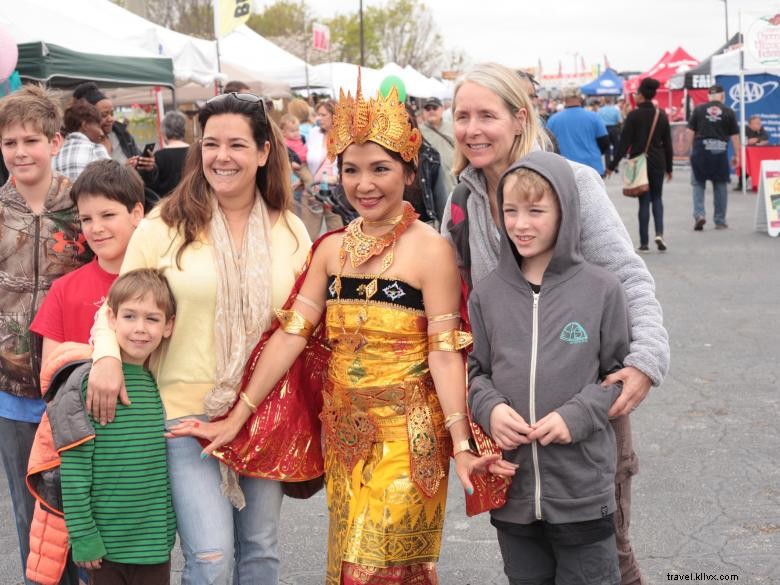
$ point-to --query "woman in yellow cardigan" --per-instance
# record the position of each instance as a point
(229, 247)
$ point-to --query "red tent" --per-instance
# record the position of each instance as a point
(669, 65)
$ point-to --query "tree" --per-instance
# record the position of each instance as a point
(285, 18)
(410, 36)
(190, 17)
(345, 37)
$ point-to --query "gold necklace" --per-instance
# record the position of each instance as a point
(382, 222)
(358, 248)
(362, 247)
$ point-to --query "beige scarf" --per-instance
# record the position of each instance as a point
(243, 312)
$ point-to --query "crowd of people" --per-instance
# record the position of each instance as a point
(422, 285)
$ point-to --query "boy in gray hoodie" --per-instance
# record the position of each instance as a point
(548, 327)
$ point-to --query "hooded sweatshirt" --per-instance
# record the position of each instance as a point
(547, 352)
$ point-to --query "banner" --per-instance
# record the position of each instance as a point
(762, 98)
(320, 34)
(762, 42)
(230, 14)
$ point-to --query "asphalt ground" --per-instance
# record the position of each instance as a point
(706, 502)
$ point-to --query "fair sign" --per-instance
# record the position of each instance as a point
(768, 200)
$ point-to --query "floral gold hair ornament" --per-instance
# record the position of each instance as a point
(382, 120)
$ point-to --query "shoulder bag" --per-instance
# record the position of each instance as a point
(635, 181)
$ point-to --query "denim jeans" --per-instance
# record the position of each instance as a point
(222, 545)
(16, 440)
(652, 198)
(720, 199)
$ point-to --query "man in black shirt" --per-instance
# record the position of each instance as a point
(755, 135)
(711, 127)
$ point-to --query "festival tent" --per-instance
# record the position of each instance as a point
(608, 83)
(669, 65)
(762, 89)
(699, 77)
(60, 67)
(101, 28)
(416, 83)
(344, 76)
(260, 59)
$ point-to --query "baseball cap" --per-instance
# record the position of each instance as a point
(433, 101)
(715, 88)
(571, 91)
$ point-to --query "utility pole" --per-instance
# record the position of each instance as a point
(362, 45)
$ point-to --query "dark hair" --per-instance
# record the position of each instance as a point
(648, 86)
(90, 92)
(174, 125)
(136, 284)
(235, 85)
(78, 112)
(112, 180)
(413, 192)
(188, 207)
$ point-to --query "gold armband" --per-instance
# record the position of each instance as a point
(292, 322)
(450, 340)
(440, 318)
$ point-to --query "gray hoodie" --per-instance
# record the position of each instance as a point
(547, 352)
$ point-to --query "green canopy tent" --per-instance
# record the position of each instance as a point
(60, 67)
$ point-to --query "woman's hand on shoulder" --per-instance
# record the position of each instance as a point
(106, 384)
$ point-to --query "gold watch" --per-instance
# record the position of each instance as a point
(465, 445)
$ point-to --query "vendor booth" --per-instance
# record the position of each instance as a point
(608, 83)
(669, 65)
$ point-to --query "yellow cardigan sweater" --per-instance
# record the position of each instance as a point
(185, 364)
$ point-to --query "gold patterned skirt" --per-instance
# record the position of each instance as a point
(387, 452)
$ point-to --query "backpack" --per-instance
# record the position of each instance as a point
(458, 228)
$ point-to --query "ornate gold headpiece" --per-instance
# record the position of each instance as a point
(382, 120)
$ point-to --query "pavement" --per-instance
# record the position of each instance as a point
(706, 503)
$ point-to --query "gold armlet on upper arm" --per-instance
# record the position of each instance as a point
(440, 318)
(450, 340)
(292, 322)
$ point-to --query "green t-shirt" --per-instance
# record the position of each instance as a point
(115, 489)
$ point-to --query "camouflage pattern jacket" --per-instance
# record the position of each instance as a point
(34, 250)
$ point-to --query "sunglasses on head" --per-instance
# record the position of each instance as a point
(244, 97)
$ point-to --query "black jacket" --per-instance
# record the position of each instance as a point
(633, 139)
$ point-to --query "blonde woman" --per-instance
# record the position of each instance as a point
(495, 125)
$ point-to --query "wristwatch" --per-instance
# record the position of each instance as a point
(465, 445)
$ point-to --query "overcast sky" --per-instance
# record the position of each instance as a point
(633, 34)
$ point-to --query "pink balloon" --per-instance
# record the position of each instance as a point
(9, 54)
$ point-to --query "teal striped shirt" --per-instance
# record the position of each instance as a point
(115, 489)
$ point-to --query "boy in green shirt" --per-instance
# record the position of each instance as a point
(115, 489)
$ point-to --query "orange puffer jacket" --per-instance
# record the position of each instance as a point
(61, 378)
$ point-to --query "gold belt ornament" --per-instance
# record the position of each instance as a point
(351, 430)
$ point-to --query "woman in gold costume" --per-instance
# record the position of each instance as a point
(388, 292)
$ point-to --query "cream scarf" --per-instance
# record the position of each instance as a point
(242, 314)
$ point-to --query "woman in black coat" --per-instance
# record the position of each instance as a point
(633, 139)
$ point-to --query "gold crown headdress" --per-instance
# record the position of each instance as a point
(382, 120)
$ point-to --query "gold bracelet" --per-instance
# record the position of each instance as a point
(465, 445)
(292, 322)
(450, 340)
(453, 418)
(245, 399)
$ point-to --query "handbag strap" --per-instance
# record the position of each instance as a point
(652, 129)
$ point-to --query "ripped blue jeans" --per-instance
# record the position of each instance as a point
(221, 545)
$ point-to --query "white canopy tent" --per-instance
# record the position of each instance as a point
(258, 59)
(344, 76)
(100, 26)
